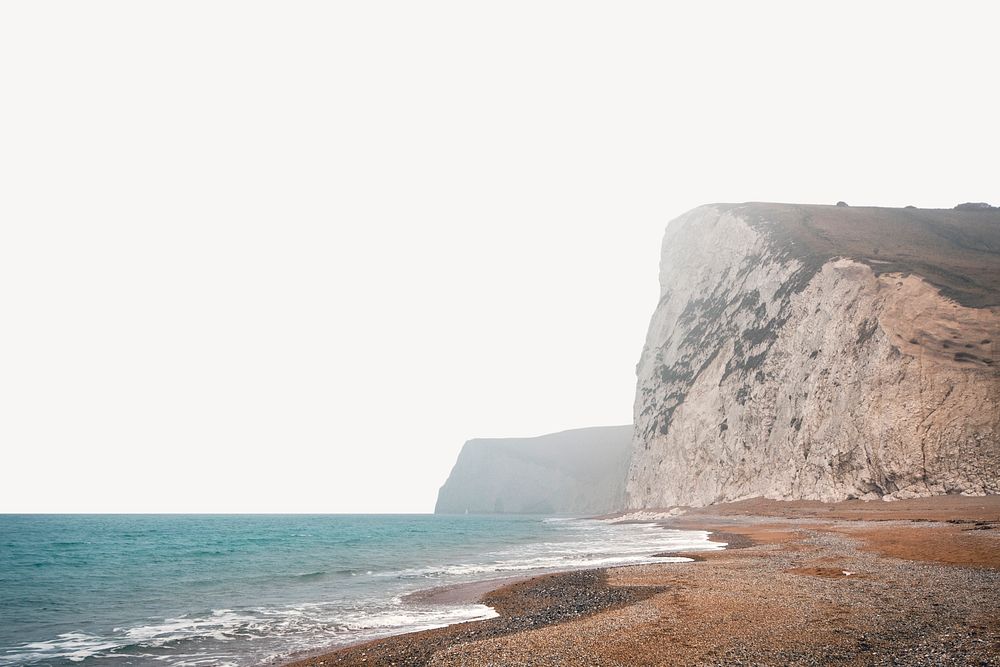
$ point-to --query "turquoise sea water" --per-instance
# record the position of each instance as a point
(245, 590)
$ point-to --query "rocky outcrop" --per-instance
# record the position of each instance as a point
(821, 352)
(573, 472)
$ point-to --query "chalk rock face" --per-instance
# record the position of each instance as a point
(581, 471)
(821, 352)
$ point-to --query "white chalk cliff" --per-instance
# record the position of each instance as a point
(581, 471)
(820, 352)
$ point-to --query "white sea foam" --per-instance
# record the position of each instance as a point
(600, 544)
(73, 646)
(647, 516)
(303, 625)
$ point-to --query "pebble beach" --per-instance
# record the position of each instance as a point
(800, 583)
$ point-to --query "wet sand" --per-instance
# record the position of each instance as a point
(906, 583)
(464, 593)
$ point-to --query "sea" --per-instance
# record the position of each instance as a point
(234, 590)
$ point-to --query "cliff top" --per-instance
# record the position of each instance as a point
(957, 251)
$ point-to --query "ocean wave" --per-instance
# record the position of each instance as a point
(526, 565)
(73, 646)
(195, 641)
(603, 545)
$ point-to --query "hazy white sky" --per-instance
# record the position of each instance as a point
(289, 256)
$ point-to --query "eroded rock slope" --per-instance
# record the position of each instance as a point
(821, 352)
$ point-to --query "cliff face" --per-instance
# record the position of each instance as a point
(821, 352)
(573, 472)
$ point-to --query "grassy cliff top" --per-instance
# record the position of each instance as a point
(957, 251)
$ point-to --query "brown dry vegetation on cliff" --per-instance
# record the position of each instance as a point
(956, 251)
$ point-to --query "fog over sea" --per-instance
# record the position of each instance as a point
(246, 589)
